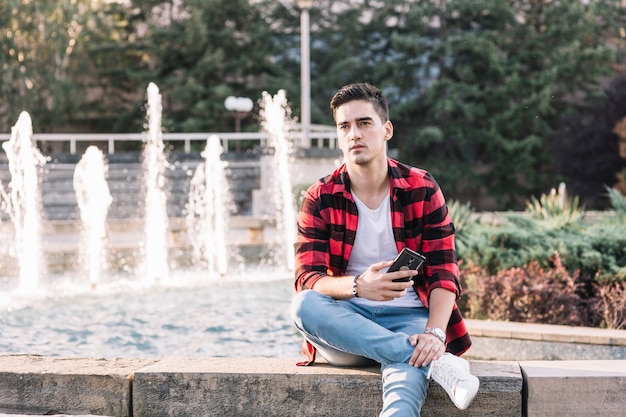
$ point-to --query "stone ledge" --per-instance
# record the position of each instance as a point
(511, 341)
(230, 387)
(53, 385)
(276, 387)
(574, 388)
(31, 384)
(546, 332)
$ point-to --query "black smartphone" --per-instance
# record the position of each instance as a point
(407, 259)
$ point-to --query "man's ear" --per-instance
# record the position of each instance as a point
(388, 130)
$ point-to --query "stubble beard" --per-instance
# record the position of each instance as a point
(361, 159)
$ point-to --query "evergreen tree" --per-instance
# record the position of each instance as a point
(495, 79)
(204, 51)
(476, 87)
(492, 96)
(118, 59)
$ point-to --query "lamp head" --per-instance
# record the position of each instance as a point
(304, 4)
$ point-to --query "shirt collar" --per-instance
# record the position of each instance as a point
(397, 178)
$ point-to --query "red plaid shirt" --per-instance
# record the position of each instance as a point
(327, 225)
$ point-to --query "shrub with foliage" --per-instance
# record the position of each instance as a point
(618, 202)
(549, 264)
(597, 249)
(611, 304)
(461, 215)
(555, 209)
(525, 294)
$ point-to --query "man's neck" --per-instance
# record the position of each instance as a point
(370, 182)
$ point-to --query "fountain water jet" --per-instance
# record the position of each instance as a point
(24, 201)
(276, 120)
(243, 315)
(156, 221)
(93, 199)
(208, 210)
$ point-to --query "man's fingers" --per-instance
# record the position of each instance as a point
(426, 351)
(403, 274)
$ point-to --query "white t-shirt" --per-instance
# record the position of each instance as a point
(373, 243)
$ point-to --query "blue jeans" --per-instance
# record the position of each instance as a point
(348, 334)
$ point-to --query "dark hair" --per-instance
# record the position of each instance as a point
(361, 91)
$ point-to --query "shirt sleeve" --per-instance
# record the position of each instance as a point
(312, 244)
(438, 244)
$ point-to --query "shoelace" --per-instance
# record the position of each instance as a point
(450, 375)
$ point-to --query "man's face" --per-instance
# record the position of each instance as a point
(362, 134)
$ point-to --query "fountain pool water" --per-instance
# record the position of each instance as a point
(243, 316)
(230, 308)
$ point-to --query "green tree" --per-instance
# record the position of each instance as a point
(478, 89)
(48, 63)
(118, 58)
(37, 58)
(353, 42)
(204, 51)
(501, 76)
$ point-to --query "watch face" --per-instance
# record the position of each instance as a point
(437, 332)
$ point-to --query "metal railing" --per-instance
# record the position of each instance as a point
(319, 137)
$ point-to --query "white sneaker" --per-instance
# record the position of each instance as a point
(452, 373)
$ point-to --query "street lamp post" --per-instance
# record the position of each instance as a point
(305, 74)
(238, 108)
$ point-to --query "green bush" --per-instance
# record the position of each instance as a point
(461, 215)
(555, 210)
(550, 263)
(618, 201)
(596, 249)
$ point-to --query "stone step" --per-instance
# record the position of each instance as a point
(126, 185)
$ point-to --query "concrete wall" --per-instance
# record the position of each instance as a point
(276, 387)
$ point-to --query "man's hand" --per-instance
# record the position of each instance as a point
(379, 286)
(428, 348)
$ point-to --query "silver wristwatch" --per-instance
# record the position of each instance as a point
(437, 332)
